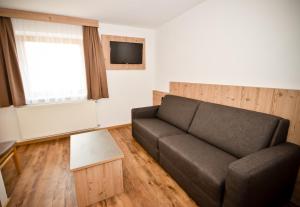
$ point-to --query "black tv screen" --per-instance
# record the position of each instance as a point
(126, 53)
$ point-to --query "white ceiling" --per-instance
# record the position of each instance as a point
(143, 13)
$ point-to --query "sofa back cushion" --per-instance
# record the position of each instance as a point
(178, 111)
(237, 131)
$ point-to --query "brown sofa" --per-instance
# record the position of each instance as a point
(220, 155)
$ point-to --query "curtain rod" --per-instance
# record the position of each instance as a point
(39, 16)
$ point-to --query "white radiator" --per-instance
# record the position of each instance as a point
(45, 120)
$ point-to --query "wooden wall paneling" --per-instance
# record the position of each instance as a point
(157, 96)
(181, 90)
(230, 96)
(286, 104)
(257, 99)
(208, 93)
(191, 90)
(249, 98)
(215, 93)
(198, 94)
(264, 100)
(173, 88)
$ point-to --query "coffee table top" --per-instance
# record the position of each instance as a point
(93, 148)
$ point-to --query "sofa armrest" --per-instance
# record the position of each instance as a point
(144, 112)
(264, 178)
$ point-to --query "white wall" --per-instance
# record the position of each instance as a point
(127, 89)
(9, 125)
(238, 42)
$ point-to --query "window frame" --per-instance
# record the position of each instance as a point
(41, 38)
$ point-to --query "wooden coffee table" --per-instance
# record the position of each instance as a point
(96, 163)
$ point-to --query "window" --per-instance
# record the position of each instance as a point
(51, 61)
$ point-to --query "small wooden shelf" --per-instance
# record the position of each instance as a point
(106, 50)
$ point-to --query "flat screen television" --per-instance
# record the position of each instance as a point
(126, 53)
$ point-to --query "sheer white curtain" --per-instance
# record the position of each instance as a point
(51, 61)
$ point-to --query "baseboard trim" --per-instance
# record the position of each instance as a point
(65, 135)
(117, 126)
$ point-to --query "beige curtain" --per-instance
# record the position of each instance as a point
(11, 87)
(94, 63)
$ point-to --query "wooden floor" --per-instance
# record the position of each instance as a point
(47, 181)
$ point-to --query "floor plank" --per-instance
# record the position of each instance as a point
(47, 181)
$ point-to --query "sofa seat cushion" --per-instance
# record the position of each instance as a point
(152, 129)
(204, 164)
(178, 111)
(237, 131)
